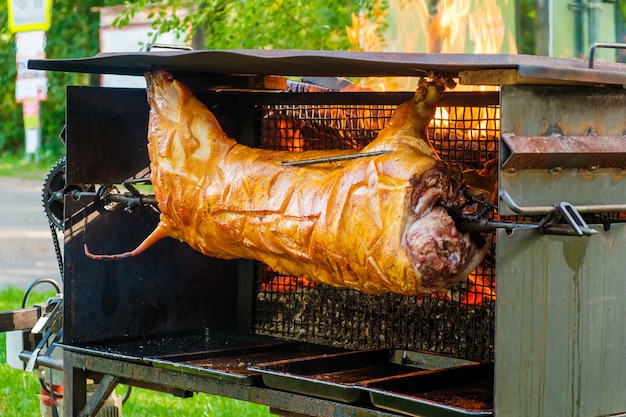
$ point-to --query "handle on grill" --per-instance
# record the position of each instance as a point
(542, 210)
(594, 46)
(575, 226)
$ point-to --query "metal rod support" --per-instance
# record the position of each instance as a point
(43, 360)
(98, 398)
(118, 198)
(543, 210)
(594, 46)
(135, 200)
(334, 158)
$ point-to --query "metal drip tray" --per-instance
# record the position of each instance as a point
(225, 357)
(341, 377)
(461, 391)
(237, 364)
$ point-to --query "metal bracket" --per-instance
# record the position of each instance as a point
(577, 226)
(105, 388)
(51, 317)
(50, 324)
(575, 220)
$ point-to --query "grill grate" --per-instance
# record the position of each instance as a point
(466, 135)
(459, 324)
(295, 127)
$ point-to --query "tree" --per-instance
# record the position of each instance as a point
(214, 24)
(621, 30)
(262, 24)
(73, 34)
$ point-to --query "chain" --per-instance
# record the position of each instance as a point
(57, 246)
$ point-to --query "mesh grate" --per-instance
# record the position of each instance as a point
(466, 135)
(312, 127)
(459, 324)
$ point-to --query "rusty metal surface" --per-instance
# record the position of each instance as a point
(183, 291)
(568, 111)
(341, 377)
(584, 166)
(459, 391)
(336, 63)
(79, 367)
(237, 365)
(556, 151)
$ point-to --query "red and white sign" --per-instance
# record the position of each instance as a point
(30, 84)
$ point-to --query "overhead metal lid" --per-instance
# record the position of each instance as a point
(479, 69)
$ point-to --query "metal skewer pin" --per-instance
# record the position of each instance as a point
(334, 158)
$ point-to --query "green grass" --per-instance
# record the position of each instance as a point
(19, 390)
(26, 168)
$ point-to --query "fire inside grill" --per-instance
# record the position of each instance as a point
(460, 323)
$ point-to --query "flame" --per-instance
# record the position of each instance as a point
(448, 28)
(364, 34)
(284, 132)
(284, 284)
(416, 29)
(481, 289)
(487, 29)
(409, 26)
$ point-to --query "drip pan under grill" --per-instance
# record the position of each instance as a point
(225, 357)
(454, 392)
(341, 377)
(237, 365)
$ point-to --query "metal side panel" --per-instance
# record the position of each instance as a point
(168, 289)
(573, 111)
(561, 324)
(542, 124)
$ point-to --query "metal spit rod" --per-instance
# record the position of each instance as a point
(141, 199)
(575, 226)
(334, 158)
(543, 210)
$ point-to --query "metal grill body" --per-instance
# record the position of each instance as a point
(551, 332)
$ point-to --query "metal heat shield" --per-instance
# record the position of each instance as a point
(170, 288)
(560, 324)
(562, 144)
(561, 302)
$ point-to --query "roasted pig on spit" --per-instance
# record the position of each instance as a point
(377, 221)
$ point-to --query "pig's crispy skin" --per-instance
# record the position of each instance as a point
(376, 224)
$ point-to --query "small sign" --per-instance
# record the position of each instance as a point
(30, 84)
(27, 15)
